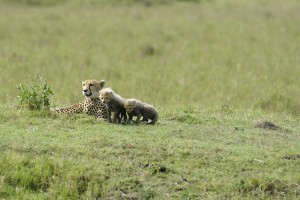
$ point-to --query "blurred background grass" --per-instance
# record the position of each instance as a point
(239, 53)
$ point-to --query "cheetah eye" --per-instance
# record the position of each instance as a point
(91, 84)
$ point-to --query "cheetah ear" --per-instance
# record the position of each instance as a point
(102, 83)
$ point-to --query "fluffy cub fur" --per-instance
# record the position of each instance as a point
(137, 108)
(115, 103)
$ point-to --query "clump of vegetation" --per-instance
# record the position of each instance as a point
(35, 95)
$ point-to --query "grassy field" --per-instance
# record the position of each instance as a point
(212, 68)
(241, 54)
(193, 153)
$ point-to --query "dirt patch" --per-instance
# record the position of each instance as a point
(149, 50)
(267, 125)
(291, 157)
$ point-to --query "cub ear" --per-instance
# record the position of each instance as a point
(102, 83)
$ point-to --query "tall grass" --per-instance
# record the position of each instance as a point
(235, 53)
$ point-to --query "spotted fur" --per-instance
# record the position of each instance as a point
(91, 105)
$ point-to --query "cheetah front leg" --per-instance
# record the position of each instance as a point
(130, 116)
(109, 116)
(103, 115)
(117, 117)
(123, 116)
(138, 118)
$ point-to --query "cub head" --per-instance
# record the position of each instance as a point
(129, 105)
(106, 95)
(91, 88)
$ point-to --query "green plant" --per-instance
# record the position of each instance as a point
(36, 95)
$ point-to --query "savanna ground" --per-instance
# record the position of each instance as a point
(212, 68)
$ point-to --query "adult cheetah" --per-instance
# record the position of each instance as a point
(91, 105)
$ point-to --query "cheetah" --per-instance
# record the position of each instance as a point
(137, 108)
(91, 105)
(115, 103)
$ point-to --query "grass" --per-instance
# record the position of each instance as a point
(207, 153)
(234, 53)
(213, 69)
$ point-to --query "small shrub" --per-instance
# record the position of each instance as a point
(36, 95)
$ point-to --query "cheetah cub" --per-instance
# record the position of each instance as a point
(115, 103)
(137, 108)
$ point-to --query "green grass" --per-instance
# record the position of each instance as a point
(234, 53)
(213, 69)
(192, 153)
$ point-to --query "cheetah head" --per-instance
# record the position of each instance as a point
(106, 95)
(91, 88)
(129, 105)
